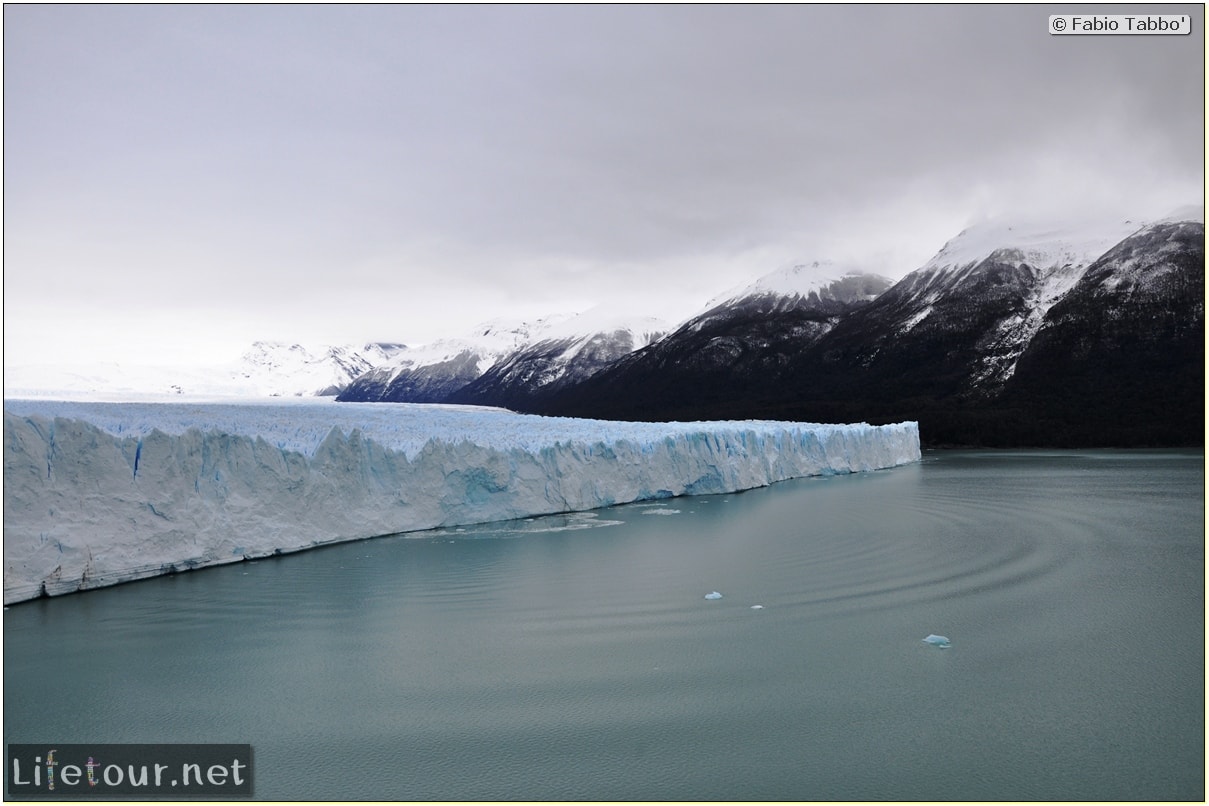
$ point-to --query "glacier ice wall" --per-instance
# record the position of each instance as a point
(96, 493)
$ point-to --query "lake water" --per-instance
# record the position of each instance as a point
(576, 657)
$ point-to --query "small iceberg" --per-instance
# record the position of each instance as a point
(938, 641)
(713, 595)
(757, 607)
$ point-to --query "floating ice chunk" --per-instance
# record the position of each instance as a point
(757, 607)
(662, 512)
(714, 595)
(938, 641)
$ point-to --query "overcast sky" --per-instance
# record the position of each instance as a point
(181, 181)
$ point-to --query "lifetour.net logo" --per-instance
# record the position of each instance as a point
(105, 770)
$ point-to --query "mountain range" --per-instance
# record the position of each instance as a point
(509, 364)
(1074, 333)
(1081, 333)
(1023, 335)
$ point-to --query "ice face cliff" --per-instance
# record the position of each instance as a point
(96, 494)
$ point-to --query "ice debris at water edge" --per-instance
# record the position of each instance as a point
(101, 493)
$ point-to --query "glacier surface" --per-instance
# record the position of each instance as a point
(101, 493)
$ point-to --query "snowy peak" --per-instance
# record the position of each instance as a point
(430, 373)
(1187, 213)
(380, 352)
(1042, 334)
(602, 321)
(1149, 261)
(292, 369)
(497, 338)
(566, 353)
(994, 286)
(1013, 271)
(506, 334)
(823, 280)
(1040, 244)
(505, 360)
(283, 358)
(487, 343)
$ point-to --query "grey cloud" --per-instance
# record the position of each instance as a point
(284, 150)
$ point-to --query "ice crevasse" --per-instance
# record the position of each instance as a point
(101, 493)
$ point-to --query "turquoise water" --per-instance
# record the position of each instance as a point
(576, 657)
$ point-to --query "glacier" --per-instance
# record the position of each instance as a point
(101, 493)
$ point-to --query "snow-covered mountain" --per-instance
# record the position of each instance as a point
(807, 298)
(944, 344)
(816, 283)
(502, 362)
(266, 369)
(1015, 332)
(294, 370)
(741, 337)
(562, 354)
(1128, 338)
(430, 373)
(994, 283)
(520, 366)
